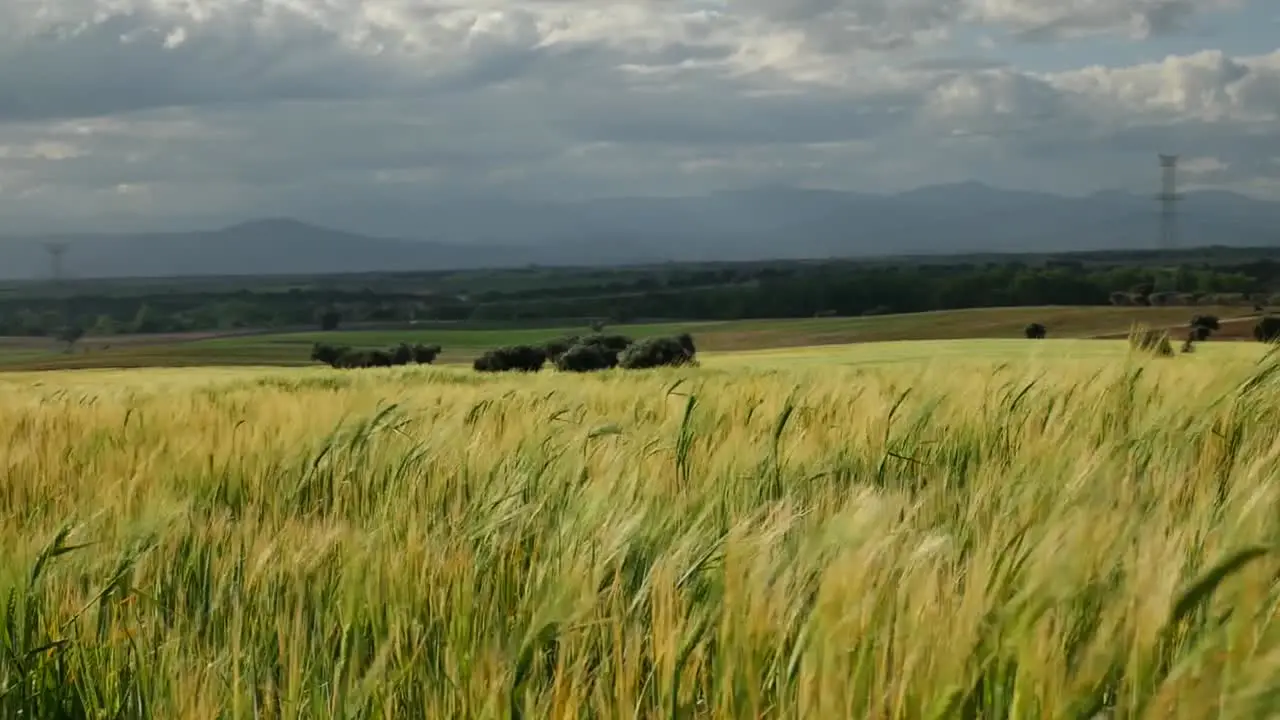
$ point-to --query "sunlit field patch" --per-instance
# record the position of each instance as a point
(970, 352)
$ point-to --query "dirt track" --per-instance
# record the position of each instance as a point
(141, 340)
(1236, 328)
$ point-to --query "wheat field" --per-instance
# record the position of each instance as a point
(1038, 539)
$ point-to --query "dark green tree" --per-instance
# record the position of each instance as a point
(330, 319)
(70, 334)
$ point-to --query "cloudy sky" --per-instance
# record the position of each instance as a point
(171, 113)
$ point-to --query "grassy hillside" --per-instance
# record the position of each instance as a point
(463, 344)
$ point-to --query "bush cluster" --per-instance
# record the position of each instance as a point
(340, 356)
(612, 343)
(555, 348)
(591, 353)
(1035, 331)
(570, 354)
(517, 358)
(659, 352)
(587, 354)
(587, 358)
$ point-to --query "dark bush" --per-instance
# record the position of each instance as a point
(1035, 331)
(328, 354)
(614, 343)
(555, 348)
(658, 352)
(402, 354)
(519, 358)
(1267, 330)
(330, 319)
(354, 359)
(365, 359)
(1209, 322)
(425, 354)
(686, 342)
(587, 358)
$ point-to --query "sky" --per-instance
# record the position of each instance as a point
(182, 113)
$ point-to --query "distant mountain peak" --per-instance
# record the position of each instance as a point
(961, 186)
(274, 224)
(773, 221)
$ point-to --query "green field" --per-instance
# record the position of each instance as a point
(462, 345)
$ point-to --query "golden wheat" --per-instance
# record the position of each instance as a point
(950, 540)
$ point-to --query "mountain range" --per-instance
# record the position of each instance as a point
(760, 223)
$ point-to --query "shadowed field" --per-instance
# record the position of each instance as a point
(463, 345)
(983, 529)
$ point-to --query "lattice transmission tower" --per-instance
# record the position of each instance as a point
(1168, 199)
(56, 252)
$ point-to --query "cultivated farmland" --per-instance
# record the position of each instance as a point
(461, 344)
(897, 530)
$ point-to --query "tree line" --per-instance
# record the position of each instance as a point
(753, 291)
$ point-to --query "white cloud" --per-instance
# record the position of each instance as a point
(1209, 86)
(1073, 18)
(41, 150)
(1200, 166)
(226, 107)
